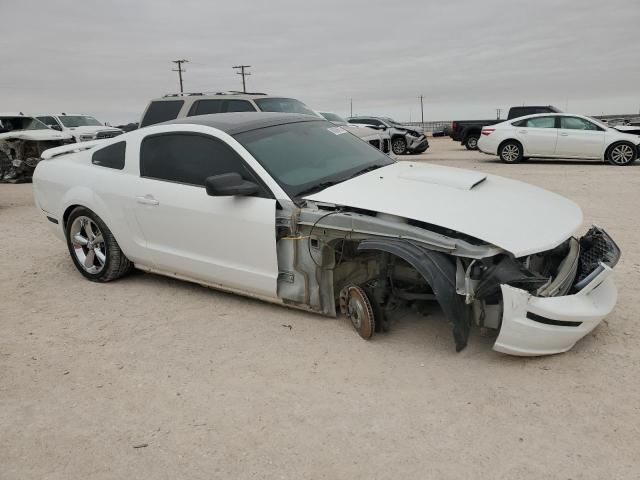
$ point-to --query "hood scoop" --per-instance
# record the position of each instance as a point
(460, 179)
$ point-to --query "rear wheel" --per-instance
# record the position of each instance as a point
(472, 142)
(93, 248)
(621, 153)
(510, 152)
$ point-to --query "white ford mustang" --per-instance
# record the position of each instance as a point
(292, 209)
(558, 135)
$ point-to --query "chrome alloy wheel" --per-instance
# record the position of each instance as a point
(88, 244)
(622, 154)
(510, 153)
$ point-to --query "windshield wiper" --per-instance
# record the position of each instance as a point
(317, 187)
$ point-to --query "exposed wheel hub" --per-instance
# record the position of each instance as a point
(355, 305)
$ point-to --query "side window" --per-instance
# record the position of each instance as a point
(541, 122)
(357, 121)
(49, 121)
(575, 123)
(239, 106)
(205, 107)
(111, 156)
(161, 111)
(189, 158)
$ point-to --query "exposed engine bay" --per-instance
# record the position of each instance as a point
(367, 265)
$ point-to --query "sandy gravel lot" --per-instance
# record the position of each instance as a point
(212, 385)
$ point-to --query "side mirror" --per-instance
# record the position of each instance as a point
(229, 184)
(56, 127)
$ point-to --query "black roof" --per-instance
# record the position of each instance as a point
(238, 122)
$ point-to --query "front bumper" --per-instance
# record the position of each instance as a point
(533, 325)
(417, 144)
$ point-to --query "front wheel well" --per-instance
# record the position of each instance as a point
(67, 212)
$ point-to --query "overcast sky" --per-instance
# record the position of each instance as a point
(467, 57)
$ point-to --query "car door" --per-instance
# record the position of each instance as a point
(538, 135)
(226, 241)
(578, 137)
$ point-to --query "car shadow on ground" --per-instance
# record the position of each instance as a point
(556, 161)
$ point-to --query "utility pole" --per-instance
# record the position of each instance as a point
(244, 74)
(422, 111)
(351, 107)
(498, 112)
(180, 70)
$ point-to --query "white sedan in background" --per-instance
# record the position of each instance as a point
(558, 136)
(293, 210)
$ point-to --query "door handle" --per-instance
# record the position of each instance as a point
(564, 134)
(147, 200)
(522, 131)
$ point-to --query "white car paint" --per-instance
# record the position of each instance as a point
(553, 142)
(84, 133)
(230, 242)
(447, 197)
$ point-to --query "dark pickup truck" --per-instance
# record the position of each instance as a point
(467, 132)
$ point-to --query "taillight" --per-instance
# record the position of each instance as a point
(487, 131)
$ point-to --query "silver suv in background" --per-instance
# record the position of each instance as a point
(404, 138)
(180, 105)
(376, 138)
(83, 128)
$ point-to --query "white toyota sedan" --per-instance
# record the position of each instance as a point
(558, 135)
(294, 210)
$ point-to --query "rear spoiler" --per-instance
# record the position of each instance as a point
(70, 148)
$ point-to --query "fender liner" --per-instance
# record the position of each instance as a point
(439, 271)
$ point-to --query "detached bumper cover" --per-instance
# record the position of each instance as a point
(534, 325)
(542, 326)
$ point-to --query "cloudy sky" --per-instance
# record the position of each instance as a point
(466, 57)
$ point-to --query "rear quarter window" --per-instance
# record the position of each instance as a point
(111, 156)
(161, 111)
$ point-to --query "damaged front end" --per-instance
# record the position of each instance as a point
(370, 264)
(544, 303)
(19, 157)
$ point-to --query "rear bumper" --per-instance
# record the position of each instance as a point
(542, 326)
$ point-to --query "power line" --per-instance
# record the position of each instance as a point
(180, 70)
(244, 74)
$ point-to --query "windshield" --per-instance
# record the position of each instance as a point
(72, 121)
(332, 117)
(285, 105)
(391, 121)
(308, 156)
(9, 124)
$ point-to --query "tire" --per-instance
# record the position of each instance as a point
(510, 152)
(399, 146)
(98, 261)
(472, 142)
(621, 153)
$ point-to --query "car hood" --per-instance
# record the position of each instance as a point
(92, 129)
(35, 135)
(364, 133)
(517, 217)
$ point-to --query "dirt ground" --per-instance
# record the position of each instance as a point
(154, 378)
